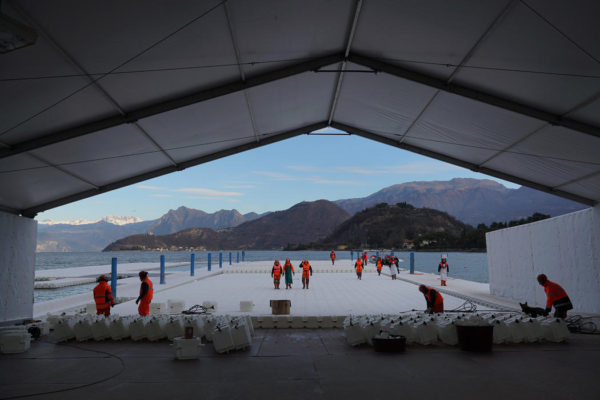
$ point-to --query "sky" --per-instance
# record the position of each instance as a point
(271, 178)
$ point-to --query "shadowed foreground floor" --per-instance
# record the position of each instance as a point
(298, 364)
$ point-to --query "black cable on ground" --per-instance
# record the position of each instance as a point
(22, 396)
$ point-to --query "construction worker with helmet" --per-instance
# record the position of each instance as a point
(435, 301)
(288, 270)
(146, 294)
(276, 272)
(556, 296)
(443, 269)
(306, 273)
(332, 256)
(103, 296)
(358, 266)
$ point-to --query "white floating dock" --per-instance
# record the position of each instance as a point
(333, 290)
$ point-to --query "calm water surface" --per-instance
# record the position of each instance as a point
(468, 266)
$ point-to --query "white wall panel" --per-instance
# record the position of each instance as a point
(18, 237)
(565, 248)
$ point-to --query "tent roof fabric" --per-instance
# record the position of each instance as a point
(114, 93)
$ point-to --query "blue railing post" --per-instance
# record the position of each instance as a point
(209, 260)
(377, 254)
(192, 260)
(162, 269)
(229, 258)
(220, 260)
(113, 277)
(243, 255)
(238, 257)
(392, 254)
(412, 263)
(351, 255)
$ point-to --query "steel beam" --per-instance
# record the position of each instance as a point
(31, 212)
(164, 106)
(461, 163)
(474, 94)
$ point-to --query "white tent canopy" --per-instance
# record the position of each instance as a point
(116, 92)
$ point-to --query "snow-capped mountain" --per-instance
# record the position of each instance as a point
(111, 219)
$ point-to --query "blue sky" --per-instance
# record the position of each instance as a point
(271, 178)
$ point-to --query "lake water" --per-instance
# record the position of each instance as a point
(468, 266)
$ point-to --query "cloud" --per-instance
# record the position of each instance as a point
(208, 192)
(427, 167)
(303, 168)
(275, 175)
(161, 195)
(323, 181)
(239, 186)
(148, 187)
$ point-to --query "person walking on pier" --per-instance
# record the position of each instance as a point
(556, 296)
(332, 256)
(443, 269)
(146, 294)
(306, 273)
(435, 301)
(379, 265)
(288, 270)
(359, 268)
(276, 273)
(393, 269)
(103, 296)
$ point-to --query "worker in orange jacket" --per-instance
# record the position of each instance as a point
(556, 296)
(364, 259)
(379, 265)
(332, 256)
(306, 273)
(435, 301)
(103, 296)
(358, 265)
(276, 273)
(146, 294)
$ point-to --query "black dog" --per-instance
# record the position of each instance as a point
(533, 311)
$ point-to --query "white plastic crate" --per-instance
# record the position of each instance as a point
(222, 339)
(158, 308)
(186, 349)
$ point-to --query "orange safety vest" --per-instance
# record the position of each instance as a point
(305, 270)
(332, 255)
(554, 292)
(148, 297)
(358, 265)
(276, 271)
(103, 296)
(437, 304)
(379, 264)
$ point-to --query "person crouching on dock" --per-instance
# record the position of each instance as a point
(435, 301)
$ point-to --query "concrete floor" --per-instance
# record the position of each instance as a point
(299, 364)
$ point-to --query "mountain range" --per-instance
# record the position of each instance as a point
(471, 201)
(302, 223)
(97, 235)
